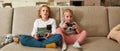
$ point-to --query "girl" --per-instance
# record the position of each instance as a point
(43, 34)
(70, 31)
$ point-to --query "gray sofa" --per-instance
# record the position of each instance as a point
(96, 20)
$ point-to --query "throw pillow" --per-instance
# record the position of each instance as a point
(115, 33)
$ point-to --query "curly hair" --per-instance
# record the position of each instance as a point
(48, 10)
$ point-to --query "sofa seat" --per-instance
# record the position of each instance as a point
(100, 44)
(2, 38)
(91, 44)
(19, 47)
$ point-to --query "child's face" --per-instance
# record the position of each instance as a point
(68, 17)
(44, 12)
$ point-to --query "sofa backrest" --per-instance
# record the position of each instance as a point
(94, 19)
(24, 18)
(114, 16)
(91, 18)
(5, 20)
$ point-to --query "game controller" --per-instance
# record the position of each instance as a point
(70, 25)
(70, 29)
(41, 37)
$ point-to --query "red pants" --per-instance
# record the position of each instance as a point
(70, 39)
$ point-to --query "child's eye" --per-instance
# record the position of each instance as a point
(46, 10)
(67, 16)
(43, 10)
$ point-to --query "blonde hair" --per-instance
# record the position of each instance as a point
(48, 10)
(68, 10)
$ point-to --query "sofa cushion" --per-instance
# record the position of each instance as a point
(2, 38)
(24, 18)
(18, 47)
(5, 20)
(91, 18)
(115, 33)
(100, 44)
(91, 44)
(114, 16)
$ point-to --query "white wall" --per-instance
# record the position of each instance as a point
(92, 2)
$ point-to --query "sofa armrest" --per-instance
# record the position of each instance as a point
(2, 38)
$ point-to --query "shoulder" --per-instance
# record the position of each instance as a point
(62, 22)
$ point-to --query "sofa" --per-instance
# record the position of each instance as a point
(96, 20)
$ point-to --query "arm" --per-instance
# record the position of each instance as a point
(54, 27)
(63, 25)
(34, 31)
(76, 26)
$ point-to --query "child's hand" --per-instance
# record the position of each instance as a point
(47, 35)
(64, 25)
(36, 37)
(75, 26)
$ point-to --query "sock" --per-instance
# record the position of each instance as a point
(16, 40)
(64, 46)
(51, 45)
(76, 45)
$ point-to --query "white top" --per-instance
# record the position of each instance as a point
(40, 23)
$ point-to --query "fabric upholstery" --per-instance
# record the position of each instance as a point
(97, 20)
(100, 44)
(5, 20)
(115, 33)
(91, 44)
(2, 38)
(23, 20)
(19, 47)
(114, 16)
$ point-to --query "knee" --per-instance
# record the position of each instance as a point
(59, 29)
(84, 32)
(59, 36)
(23, 37)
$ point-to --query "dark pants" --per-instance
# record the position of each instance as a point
(30, 41)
